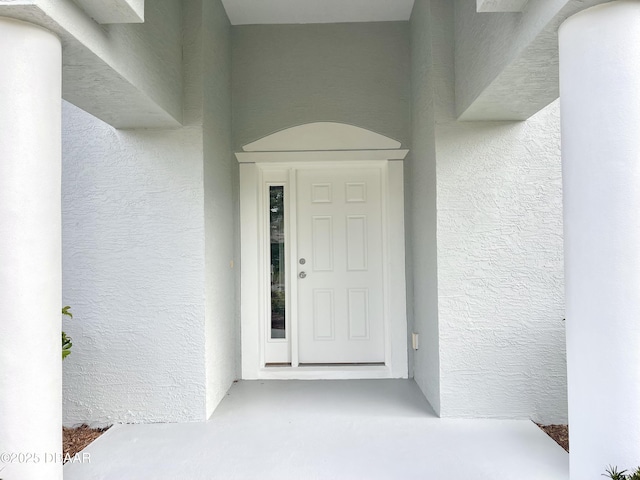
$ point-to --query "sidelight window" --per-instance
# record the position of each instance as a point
(277, 263)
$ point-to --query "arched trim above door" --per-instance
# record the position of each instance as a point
(351, 168)
(322, 141)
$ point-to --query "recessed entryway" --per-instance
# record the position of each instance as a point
(323, 292)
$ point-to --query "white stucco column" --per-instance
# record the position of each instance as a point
(30, 251)
(600, 102)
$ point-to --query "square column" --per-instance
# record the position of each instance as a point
(30, 252)
(600, 104)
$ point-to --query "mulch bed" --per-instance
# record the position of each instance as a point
(560, 433)
(76, 439)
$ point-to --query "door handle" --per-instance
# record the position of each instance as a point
(302, 275)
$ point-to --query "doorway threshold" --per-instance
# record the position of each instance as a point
(325, 372)
(378, 364)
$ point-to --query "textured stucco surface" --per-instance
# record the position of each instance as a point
(148, 56)
(150, 221)
(114, 11)
(129, 75)
(420, 207)
(500, 302)
(149, 234)
(500, 269)
(507, 63)
(220, 205)
(288, 75)
(133, 270)
(487, 43)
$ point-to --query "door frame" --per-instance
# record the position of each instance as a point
(255, 178)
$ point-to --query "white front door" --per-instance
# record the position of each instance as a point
(339, 261)
(323, 279)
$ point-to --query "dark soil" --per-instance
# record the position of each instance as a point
(76, 439)
(560, 433)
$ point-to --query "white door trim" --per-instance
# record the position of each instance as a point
(331, 156)
(254, 292)
(318, 144)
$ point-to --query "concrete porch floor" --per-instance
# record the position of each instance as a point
(343, 429)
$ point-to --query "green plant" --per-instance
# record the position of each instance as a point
(66, 341)
(614, 474)
(277, 301)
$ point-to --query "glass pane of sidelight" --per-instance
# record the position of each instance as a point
(276, 233)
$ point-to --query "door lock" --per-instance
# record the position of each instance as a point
(302, 261)
(302, 275)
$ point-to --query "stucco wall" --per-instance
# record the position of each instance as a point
(287, 75)
(129, 75)
(500, 256)
(149, 222)
(133, 269)
(220, 205)
(507, 63)
(487, 43)
(500, 269)
(148, 55)
(149, 234)
(420, 185)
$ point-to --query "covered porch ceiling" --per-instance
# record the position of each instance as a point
(250, 12)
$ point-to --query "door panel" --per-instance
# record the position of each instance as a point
(341, 297)
(322, 243)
